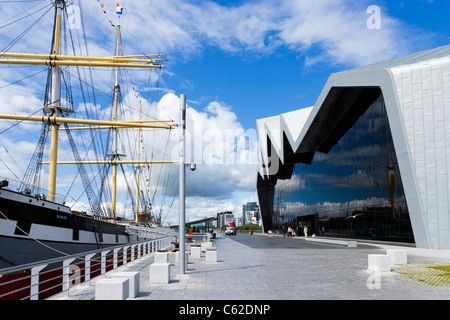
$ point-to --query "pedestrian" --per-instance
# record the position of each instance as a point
(289, 232)
(305, 231)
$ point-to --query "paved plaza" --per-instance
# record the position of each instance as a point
(261, 267)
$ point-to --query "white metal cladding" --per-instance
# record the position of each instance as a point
(416, 91)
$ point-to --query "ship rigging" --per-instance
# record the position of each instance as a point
(59, 108)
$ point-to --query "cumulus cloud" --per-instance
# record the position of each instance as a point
(329, 30)
(222, 149)
(318, 30)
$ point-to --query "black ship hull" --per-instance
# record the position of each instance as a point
(33, 229)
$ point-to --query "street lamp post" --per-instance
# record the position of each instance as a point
(182, 128)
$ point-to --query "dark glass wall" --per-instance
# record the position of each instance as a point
(355, 190)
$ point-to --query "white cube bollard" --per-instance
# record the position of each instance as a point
(112, 289)
(133, 281)
(196, 252)
(205, 245)
(383, 262)
(177, 258)
(397, 256)
(171, 257)
(160, 273)
(161, 257)
(211, 254)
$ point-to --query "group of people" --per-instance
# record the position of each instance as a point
(290, 232)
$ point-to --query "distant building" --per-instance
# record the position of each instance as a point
(225, 218)
(250, 214)
(371, 158)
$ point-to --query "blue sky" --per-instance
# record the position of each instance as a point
(258, 83)
(236, 61)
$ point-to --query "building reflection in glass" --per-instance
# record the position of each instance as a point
(353, 191)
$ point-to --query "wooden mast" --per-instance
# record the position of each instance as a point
(55, 103)
(54, 109)
(115, 155)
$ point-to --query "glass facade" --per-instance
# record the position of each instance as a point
(355, 190)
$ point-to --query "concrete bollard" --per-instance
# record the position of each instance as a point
(171, 257)
(211, 254)
(133, 281)
(112, 289)
(161, 257)
(205, 245)
(196, 252)
(383, 262)
(397, 256)
(159, 273)
(177, 258)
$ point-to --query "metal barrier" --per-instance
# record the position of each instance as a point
(43, 279)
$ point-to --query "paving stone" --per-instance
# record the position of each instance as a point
(275, 268)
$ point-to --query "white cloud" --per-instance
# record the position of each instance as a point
(328, 29)
(318, 30)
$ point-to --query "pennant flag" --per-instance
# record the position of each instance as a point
(119, 9)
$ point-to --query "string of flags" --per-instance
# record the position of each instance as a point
(119, 10)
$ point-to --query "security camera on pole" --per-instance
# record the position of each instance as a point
(182, 128)
(183, 165)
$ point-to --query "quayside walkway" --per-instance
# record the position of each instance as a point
(261, 267)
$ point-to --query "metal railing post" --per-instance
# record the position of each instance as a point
(71, 274)
(115, 263)
(103, 261)
(66, 275)
(125, 255)
(133, 247)
(87, 267)
(34, 286)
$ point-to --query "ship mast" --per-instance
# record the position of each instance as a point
(115, 155)
(54, 111)
(55, 104)
(136, 219)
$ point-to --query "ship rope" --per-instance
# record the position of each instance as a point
(28, 235)
(40, 242)
(32, 176)
(99, 141)
(93, 201)
(17, 39)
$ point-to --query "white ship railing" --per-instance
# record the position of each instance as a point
(149, 232)
(43, 279)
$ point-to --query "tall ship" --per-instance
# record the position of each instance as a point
(38, 224)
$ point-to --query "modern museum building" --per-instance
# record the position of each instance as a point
(371, 158)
